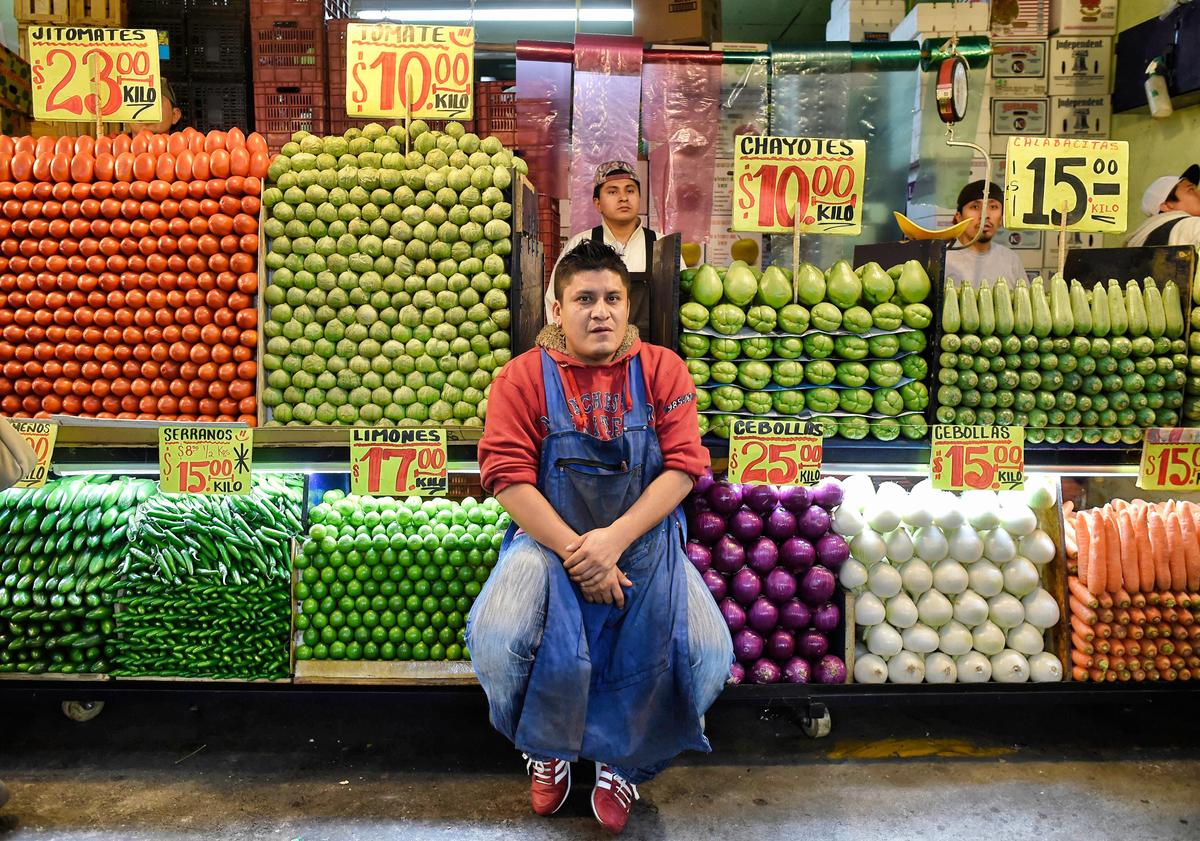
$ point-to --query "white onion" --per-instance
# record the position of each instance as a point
(884, 640)
(884, 581)
(1045, 668)
(970, 608)
(868, 610)
(934, 609)
(939, 668)
(1017, 520)
(870, 668)
(868, 547)
(982, 509)
(917, 576)
(1041, 609)
(998, 546)
(954, 639)
(1037, 547)
(920, 638)
(965, 545)
(857, 491)
(1006, 611)
(860, 649)
(949, 577)
(899, 546)
(973, 667)
(901, 612)
(986, 579)
(1040, 492)
(1010, 667)
(988, 638)
(930, 544)
(881, 514)
(1020, 577)
(906, 667)
(948, 513)
(1026, 639)
(853, 574)
(846, 521)
(918, 509)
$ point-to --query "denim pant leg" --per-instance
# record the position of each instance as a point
(505, 626)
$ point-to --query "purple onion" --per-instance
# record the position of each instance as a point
(704, 482)
(780, 585)
(765, 671)
(737, 674)
(715, 583)
(728, 555)
(699, 555)
(795, 498)
(763, 616)
(817, 586)
(735, 616)
(797, 670)
(780, 646)
(698, 504)
(747, 645)
(760, 498)
(831, 669)
(707, 527)
(813, 523)
(826, 617)
(763, 555)
(812, 644)
(724, 497)
(745, 586)
(828, 494)
(832, 551)
(781, 525)
(794, 615)
(745, 525)
(797, 554)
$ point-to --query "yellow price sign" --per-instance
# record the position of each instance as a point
(1170, 460)
(197, 459)
(41, 436)
(775, 452)
(777, 179)
(387, 63)
(398, 462)
(1088, 179)
(965, 458)
(84, 75)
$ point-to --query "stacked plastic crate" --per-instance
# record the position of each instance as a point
(16, 102)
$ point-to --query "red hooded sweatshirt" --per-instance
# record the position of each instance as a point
(598, 396)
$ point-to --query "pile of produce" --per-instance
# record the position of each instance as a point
(206, 584)
(1068, 363)
(61, 547)
(1191, 403)
(385, 579)
(128, 273)
(1134, 588)
(389, 279)
(949, 588)
(770, 559)
(844, 347)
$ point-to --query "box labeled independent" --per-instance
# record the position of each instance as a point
(1080, 116)
(1015, 117)
(1083, 17)
(1020, 19)
(1080, 65)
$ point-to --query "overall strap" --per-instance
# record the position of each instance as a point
(1162, 234)
(598, 234)
(650, 238)
(557, 411)
(639, 413)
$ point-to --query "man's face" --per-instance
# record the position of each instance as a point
(619, 201)
(991, 211)
(1187, 198)
(594, 313)
(170, 116)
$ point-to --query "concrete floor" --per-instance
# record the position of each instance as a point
(428, 767)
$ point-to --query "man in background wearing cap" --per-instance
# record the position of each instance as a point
(617, 194)
(1173, 205)
(985, 259)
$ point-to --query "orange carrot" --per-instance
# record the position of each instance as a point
(1153, 598)
(1096, 675)
(1117, 648)
(1112, 545)
(1185, 674)
(1120, 631)
(1178, 561)
(1166, 647)
(1139, 599)
(1083, 544)
(1122, 617)
(1105, 614)
(1145, 553)
(1103, 630)
(1191, 553)
(1186, 617)
(1159, 549)
(1085, 613)
(1103, 646)
(1081, 659)
(1105, 599)
(1122, 597)
(1084, 630)
(1080, 674)
(1139, 675)
(1131, 577)
(1080, 592)
(1153, 615)
(1097, 577)
(1082, 645)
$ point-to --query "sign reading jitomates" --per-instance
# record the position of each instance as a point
(83, 75)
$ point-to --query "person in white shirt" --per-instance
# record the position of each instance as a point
(617, 194)
(1173, 205)
(985, 259)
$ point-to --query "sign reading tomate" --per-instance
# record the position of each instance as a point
(965, 458)
(194, 459)
(777, 179)
(398, 462)
(775, 452)
(83, 75)
(41, 436)
(385, 63)
(1170, 460)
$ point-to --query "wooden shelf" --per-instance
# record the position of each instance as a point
(395, 673)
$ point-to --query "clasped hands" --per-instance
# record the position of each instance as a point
(591, 561)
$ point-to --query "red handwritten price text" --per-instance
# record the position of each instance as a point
(1170, 467)
(385, 61)
(69, 66)
(204, 460)
(978, 458)
(398, 462)
(41, 436)
(775, 453)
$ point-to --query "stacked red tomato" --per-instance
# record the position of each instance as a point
(128, 275)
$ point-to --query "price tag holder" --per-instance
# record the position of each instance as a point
(966, 458)
(83, 75)
(1090, 178)
(803, 185)
(775, 452)
(41, 436)
(398, 462)
(198, 459)
(1170, 460)
(385, 61)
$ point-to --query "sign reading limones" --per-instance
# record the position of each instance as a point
(398, 462)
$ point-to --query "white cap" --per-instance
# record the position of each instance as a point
(1160, 188)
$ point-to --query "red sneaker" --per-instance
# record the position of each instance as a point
(612, 798)
(551, 784)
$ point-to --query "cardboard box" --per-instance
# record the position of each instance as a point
(856, 31)
(1019, 117)
(937, 19)
(1018, 68)
(677, 21)
(1075, 241)
(1022, 19)
(1083, 17)
(1022, 241)
(1080, 65)
(1080, 116)
(1032, 259)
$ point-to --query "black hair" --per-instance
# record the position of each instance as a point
(588, 256)
(1172, 196)
(974, 192)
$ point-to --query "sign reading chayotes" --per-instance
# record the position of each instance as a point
(81, 74)
(385, 63)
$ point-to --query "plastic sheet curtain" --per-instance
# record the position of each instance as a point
(680, 111)
(831, 90)
(607, 107)
(544, 113)
(943, 169)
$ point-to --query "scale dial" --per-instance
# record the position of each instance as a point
(952, 89)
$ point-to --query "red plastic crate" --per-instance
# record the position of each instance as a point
(260, 9)
(496, 111)
(280, 110)
(288, 51)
